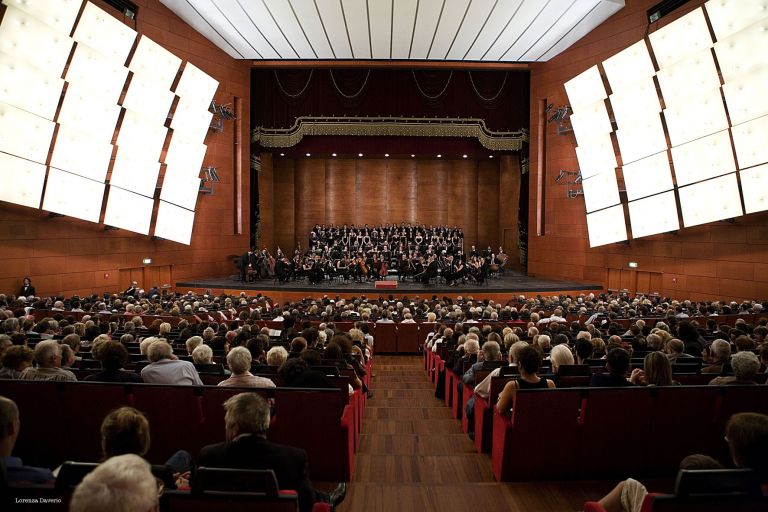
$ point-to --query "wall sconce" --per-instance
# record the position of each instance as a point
(210, 176)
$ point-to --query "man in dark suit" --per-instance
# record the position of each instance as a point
(246, 422)
(27, 290)
(131, 291)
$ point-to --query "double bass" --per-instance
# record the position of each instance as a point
(383, 270)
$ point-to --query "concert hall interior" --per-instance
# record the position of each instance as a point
(440, 200)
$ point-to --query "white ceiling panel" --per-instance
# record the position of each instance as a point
(260, 18)
(474, 30)
(286, 20)
(380, 14)
(478, 16)
(453, 16)
(356, 19)
(335, 26)
(403, 21)
(429, 15)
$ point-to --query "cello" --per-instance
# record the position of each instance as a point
(383, 270)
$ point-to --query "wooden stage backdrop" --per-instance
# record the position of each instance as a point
(480, 196)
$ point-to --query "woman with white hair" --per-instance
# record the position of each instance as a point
(239, 362)
(277, 356)
(124, 483)
(559, 356)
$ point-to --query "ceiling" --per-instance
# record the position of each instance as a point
(437, 30)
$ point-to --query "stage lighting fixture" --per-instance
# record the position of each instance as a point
(33, 42)
(72, 195)
(148, 97)
(152, 60)
(359, 154)
(647, 176)
(644, 137)
(607, 226)
(27, 88)
(126, 210)
(386, 155)
(76, 152)
(191, 122)
(24, 134)
(24, 181)
(653, 215)
(180, 188)
(101, 30)
(59, 15)
(135, 172)
(702, 114)
(334, 154)
(85, 111)
(308, 154)
(630, 65)
(585, 89)
(697, 72)
(746, 98)
(596, 156)
(196, 87)
(88, 63)
(704, 158)
(463, 156)
(749, 141)
(439, 156)
(754, 188)
(174, 223)
(138, 134)
(600, 191)
(730, 16)
(710, 201)
(637, 100)
(682, 37)
(736, 55)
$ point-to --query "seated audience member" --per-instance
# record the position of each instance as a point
(584, 348)
(192, 343)
(164, 368)
(674, 351)
(113, 356)
(529, 361)
(203, 354)
(17, 472)
(298, 344)
(484, 388)
(657, 371)
(335, 357)
(276, 356)
(721, 354)
(617, 364)
(124, 483)
(239, 361)
(745, 366)
(491, 351)
(296, 373)
(126, 430)
(48, 359)
(747, 436)
(246, 447)
(560, 355)
(16, 359)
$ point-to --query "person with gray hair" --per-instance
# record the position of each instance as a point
(48, 359)
(721, 353)
(277, 356)
(123, 483)
(246, 422)
(745, 365)
(10, 425)
(239, 361)
(192, 343)
(165, 368)
(203, 354)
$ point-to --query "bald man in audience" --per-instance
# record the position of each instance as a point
(48, 358)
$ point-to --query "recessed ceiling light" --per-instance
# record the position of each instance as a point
(309, 154)
(282, 154)
(490, 156)
(360, 154)
(439, 156)
(463, 156)
(413, 156)
(386, 155)
(334, 154)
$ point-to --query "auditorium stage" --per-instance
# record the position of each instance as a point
(510, 283)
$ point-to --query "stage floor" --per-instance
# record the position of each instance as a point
(509, 282)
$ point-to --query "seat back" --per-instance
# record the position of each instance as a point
(407, 338)
(717, 481)
(262, 481)
(385, 338)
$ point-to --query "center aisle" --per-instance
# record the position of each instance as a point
(413, 456)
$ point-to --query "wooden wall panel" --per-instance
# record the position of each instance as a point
(284, 206)
(340, 183)
(488, 204)
(266, 202)
(67, 256)
(509, 200)
(463, 195)
(371, 192)
(713, 261)
(402, 186)
(430, 192)
(309, 196)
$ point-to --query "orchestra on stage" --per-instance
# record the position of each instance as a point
(369, 253)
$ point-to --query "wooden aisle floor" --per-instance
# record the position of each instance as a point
(413, 457)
